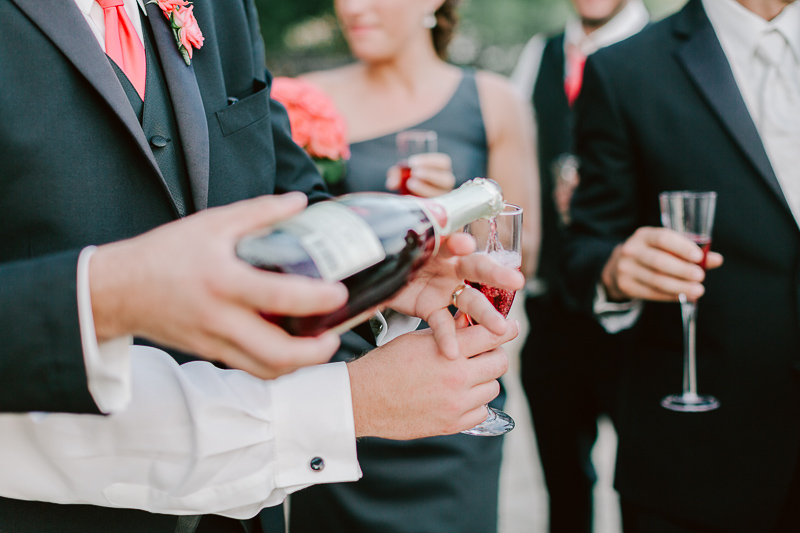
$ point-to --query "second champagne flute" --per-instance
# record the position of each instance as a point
(501, 238)
(412, 142)
(692, 215)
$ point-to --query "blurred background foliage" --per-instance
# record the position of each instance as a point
(302, 35)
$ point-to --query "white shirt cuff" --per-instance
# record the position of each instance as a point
(615, 316)
(390, 324)
(108, 369)
(314, 427)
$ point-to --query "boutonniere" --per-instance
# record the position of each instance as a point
(316, 125)
(184, 26)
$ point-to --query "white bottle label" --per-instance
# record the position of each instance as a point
(339, 242)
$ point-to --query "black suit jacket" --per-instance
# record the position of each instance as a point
(554, 127)
(661, 111)
(76, 169)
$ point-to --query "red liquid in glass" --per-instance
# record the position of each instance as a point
(405, 173)
(501, 299)
(704, 242)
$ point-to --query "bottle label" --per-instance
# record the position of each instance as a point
(339, 242)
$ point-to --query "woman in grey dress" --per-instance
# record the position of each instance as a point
(401, 82)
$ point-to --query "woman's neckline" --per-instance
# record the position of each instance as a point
(420, 123)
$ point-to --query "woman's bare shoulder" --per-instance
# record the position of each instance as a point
(494, 87)
(502, 107)
(330, 80)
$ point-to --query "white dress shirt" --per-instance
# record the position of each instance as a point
(193, 440)
(740, 32)
(180, 439)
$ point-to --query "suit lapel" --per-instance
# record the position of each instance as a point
(80, 47)
(705, 63)
(187, 103)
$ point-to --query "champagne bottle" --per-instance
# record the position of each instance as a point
(372, 242)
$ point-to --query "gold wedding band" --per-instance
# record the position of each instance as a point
(457, 293)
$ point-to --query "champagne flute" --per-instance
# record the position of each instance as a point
(412, 142)
(501, 238)
(692, 215)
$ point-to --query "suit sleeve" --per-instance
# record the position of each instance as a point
(41, 360)
(604, 208)
(294, 169)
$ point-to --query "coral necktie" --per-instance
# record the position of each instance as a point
(574, 78)
(123, 45)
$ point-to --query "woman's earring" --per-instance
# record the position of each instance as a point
(429, 21)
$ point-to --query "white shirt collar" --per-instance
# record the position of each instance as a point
(740, 30)
(630, 20)
(86, 6)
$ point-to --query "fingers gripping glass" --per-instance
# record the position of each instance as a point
(692, 215)
(410, 143)
(501, 239)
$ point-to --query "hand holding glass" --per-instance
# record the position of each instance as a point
(410, 143)
(500, 238)
(692, 215)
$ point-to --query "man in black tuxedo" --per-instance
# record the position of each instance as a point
(569, 363)
(691, 104)
(88, 160)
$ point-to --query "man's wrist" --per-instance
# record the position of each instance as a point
(608, 280)
(106, 274)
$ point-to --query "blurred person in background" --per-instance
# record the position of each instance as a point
(569, 364)
(401, 81)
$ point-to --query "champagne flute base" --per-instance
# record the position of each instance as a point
(690, 403)
(496, 423)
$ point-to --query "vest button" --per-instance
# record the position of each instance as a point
(157, 141)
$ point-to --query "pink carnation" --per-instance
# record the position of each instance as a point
(189, 32)
(316, 124)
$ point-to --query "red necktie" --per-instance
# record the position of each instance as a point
(123, 45)
(574, 78)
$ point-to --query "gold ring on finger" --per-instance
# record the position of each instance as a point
(457, 293)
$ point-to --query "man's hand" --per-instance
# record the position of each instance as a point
(430, 293)
(406, 389)
(656, 264)
(182, 285)
(431, 175)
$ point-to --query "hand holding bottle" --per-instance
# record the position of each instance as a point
(182, 286)
(378, 243)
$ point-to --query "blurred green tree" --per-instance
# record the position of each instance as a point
(278, 16)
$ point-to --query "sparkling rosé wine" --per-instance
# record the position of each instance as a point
(500, 298)
(372, 242)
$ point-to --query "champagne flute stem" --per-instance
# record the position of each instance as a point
(689, 315)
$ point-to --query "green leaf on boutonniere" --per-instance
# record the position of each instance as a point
(181, 48)
(332, 171)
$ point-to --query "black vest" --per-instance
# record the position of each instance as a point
(158, 122)
(554, 120)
